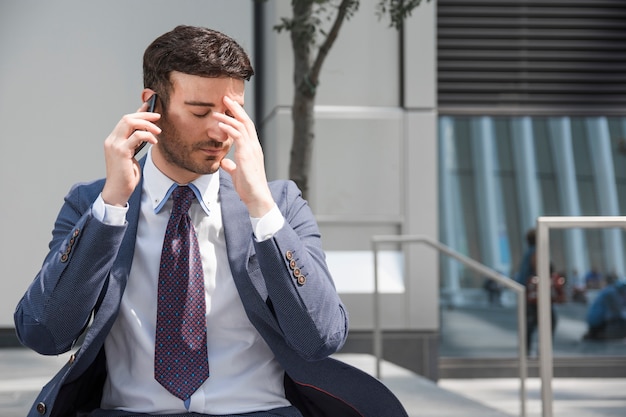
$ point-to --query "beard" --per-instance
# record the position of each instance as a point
(180, 153)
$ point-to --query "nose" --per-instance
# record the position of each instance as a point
(214, 132)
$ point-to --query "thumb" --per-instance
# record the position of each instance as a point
(228, 165)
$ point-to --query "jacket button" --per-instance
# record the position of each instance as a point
(41, 408)
(64, 257)
(293, 264)
(301, 279)
(296, 273)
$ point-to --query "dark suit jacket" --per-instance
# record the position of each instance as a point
(79, 288)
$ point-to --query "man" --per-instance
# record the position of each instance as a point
(606, 317)
(527, 276)
(198, 288)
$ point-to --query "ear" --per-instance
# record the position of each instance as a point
(146, 94)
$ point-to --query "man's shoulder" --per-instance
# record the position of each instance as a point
(284, 190)
(88, 190)
(89, 185)
(282, 184)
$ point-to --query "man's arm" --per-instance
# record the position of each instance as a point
(58, 304)
(300, 287)
(307, 306)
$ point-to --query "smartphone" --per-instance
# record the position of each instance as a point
(151, 105)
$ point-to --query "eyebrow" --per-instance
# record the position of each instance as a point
(200, 103)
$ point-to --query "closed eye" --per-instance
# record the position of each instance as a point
(200, 116)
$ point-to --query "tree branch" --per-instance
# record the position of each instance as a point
(342, 12)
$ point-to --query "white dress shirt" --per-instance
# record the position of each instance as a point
(244, 375)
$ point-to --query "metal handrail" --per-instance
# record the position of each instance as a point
(519, 289)
(544, 224)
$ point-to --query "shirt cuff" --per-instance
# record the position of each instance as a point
(108, 214)
(266, 227)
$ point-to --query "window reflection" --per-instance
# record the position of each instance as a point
(516, 169)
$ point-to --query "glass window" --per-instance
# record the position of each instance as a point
(566, 176)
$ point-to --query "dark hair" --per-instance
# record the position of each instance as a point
(195, 51)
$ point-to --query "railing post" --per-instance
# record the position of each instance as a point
(377, 335)
(519, 289)
(544, 325)
(544, 224)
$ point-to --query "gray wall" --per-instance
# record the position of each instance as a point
(68, 71)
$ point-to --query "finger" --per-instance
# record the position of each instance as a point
(146, 115)
(146, 132)
(230, 130)
(236, 128)
(144, 106)
(147, 125)
(236, 109)
(131, 132)
(140, 136)
(135, 149)
(228, 120)
(139, 121)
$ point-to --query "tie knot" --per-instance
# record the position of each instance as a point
(182, 197)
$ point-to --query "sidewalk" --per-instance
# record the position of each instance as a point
(491, 397)
(573, 397)
(22, 373)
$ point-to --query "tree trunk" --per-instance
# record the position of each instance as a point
(302, 112)
(307, 68)
(303, 116)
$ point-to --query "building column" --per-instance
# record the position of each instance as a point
(453, 232)
(563, 157)
(599, 140)
(526, 172)
(489, 207)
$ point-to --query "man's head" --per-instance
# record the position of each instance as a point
(195, 51)
(192, 69)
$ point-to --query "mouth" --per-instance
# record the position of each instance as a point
(211, 153)
(211, 148)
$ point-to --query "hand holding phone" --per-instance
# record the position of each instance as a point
(151, 105)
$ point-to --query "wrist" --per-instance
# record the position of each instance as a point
(258, 210)
(112, 200)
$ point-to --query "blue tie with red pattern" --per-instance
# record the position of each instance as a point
(180, 357)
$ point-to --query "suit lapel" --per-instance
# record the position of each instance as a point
(238, 235)
(121, 268)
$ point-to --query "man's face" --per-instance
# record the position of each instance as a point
(191, 143)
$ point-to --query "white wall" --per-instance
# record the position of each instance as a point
(69, 69)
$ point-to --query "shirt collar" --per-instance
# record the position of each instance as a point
(159, 187)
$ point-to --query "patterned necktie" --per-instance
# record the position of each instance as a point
(180, 357)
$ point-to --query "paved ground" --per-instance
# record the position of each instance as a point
(573, 397)
(465, 332)
(22, 373)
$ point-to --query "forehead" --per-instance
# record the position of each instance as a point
(197, 88)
